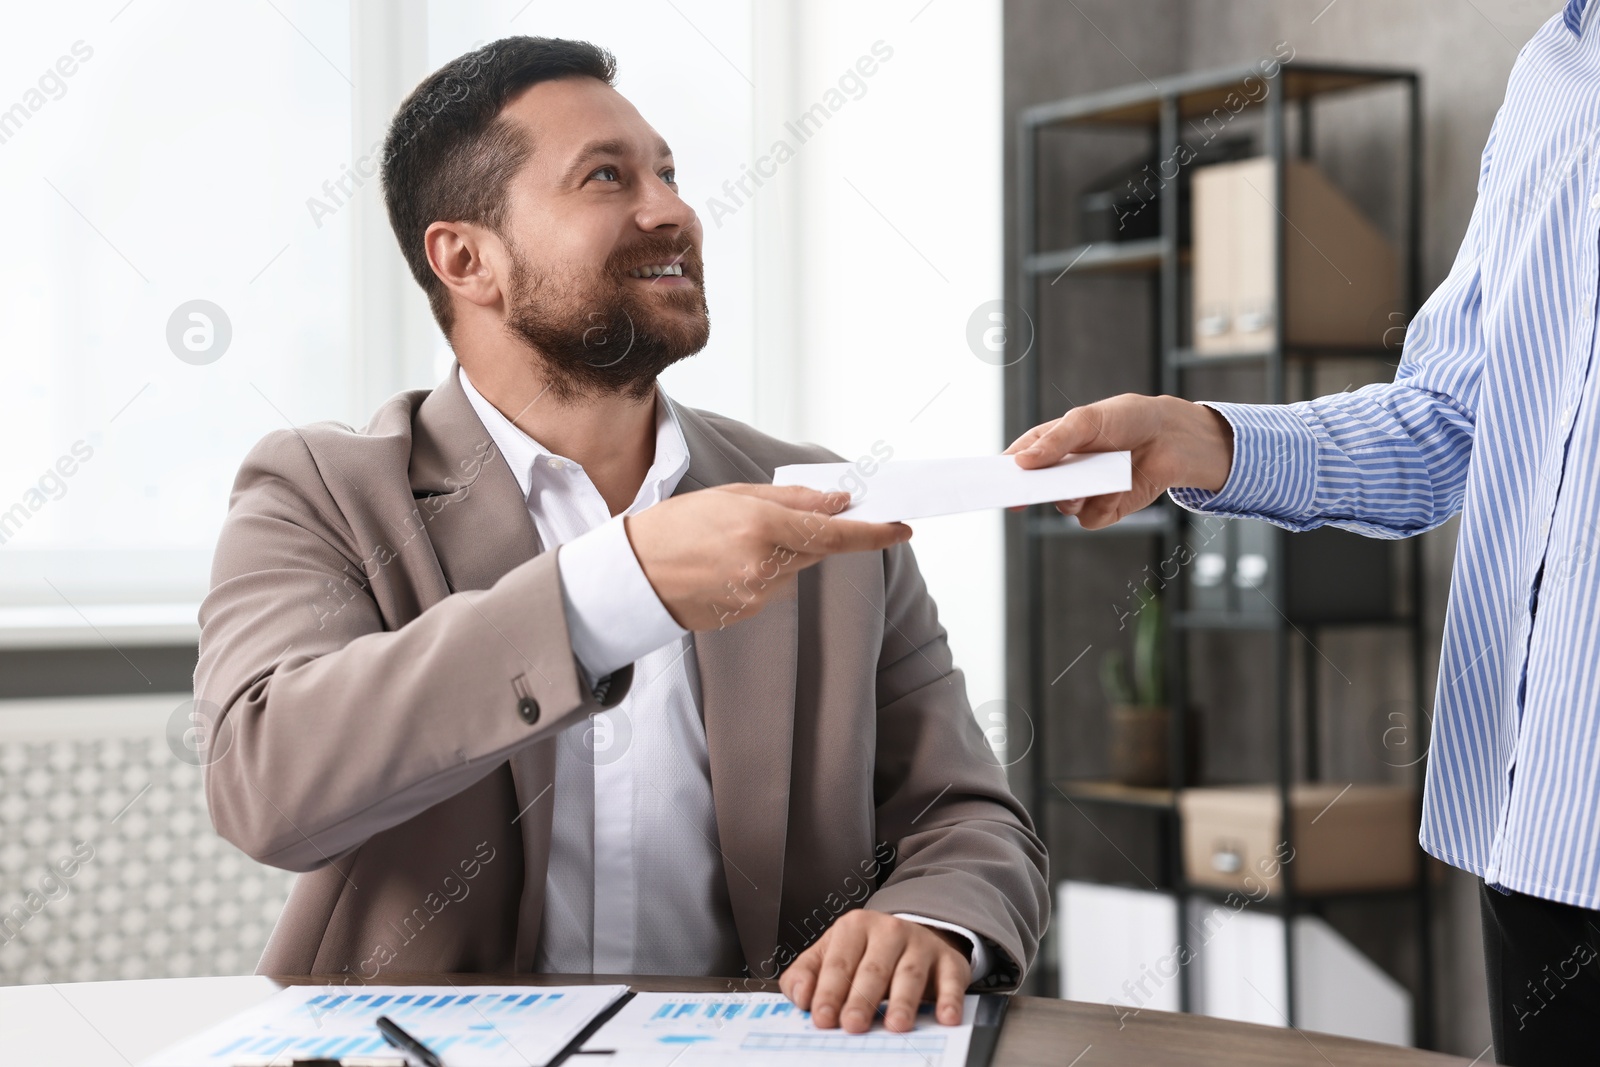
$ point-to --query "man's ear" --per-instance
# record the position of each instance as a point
(470, 260)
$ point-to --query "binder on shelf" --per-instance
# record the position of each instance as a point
(1324, 575)
(1208, 575)
(1252, 569)
(1342, 273)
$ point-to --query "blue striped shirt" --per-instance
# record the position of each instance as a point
(1494, 413)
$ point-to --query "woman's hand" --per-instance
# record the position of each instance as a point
(1174, 443)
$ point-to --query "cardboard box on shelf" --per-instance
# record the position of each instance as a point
(1345, 839)
(1342, 273)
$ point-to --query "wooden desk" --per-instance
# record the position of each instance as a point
(115, 1024)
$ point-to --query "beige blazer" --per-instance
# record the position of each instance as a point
(384, 649)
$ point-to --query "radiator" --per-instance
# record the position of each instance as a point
(109, 867)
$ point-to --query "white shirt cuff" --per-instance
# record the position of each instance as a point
(613, 614)
(981, 962)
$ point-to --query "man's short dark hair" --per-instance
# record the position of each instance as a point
(449, 153)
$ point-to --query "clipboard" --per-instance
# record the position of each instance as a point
(987, 1021)
(571, 1051)
(986, 1028)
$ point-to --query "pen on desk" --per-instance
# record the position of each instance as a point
(401, 1040)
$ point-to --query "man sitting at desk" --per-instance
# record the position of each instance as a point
(530, 674)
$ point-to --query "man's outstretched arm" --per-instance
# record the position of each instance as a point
(329, 727)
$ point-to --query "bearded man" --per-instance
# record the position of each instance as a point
(538, 672)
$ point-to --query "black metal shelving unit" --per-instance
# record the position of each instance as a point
(1158, 109)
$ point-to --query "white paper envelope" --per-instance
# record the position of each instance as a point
(902, 489)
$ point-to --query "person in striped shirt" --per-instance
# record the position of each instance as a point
(1494, 414)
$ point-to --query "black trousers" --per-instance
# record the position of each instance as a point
(1543, 962)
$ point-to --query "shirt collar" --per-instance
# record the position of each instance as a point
(523, 453)
(1572, 15)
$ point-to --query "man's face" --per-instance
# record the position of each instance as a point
(606, 282)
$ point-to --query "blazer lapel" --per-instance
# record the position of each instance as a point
(465, 494)
(478, 523)
(747, 688)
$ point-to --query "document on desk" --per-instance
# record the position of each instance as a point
(762, 1030)
(899, 489)
(468, 1026)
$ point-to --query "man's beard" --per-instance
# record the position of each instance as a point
(600, 337)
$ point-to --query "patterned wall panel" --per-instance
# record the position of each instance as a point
(109, 867)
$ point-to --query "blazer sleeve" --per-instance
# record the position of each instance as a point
(965, 849)
(325, 727)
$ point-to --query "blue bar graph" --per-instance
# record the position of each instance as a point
(720, 1009)
(484, 1025)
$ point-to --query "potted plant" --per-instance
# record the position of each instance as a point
(1139, 718)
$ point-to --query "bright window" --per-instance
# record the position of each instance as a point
(152, 156)
(171, 152)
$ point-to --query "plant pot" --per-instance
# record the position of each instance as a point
(1140, 744)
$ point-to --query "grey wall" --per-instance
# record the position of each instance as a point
(98, 670)
(1463, 50)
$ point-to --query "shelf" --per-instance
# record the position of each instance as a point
(1272, 904)
(1100, 791)
(1301, 900)
(1186, 358)
(1202, 94)
(1155, 519)
(1223, 620)
(1164, 115)
(1096, 257)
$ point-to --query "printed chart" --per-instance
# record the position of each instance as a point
(468, 1026)
(763, 1030)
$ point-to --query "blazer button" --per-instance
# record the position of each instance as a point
(528, 708)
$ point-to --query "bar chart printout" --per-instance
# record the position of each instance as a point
(468, 1026)
(764, 1030)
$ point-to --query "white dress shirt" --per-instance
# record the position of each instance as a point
(647, 819)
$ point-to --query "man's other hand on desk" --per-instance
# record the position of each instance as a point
(716, 556)
(867, 956)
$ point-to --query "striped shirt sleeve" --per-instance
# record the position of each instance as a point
(1386, 460)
